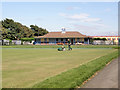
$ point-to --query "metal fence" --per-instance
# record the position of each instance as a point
(102, 42)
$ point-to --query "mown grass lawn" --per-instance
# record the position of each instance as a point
(56, 46)
(27, 67)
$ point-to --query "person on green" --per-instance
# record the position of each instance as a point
(69, 44)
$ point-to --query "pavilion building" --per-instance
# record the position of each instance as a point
(62, 37)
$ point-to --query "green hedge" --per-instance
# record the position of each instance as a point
(99, 39)
(27, 39)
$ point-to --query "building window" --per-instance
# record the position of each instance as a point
(109, 39)
(61, 39)
(66, 39)
(45, 40)
(78, 39)
(113, 38)
(56, 39)
(86, 39)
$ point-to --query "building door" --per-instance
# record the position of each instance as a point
(72, 41)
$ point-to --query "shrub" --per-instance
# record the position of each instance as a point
(27, 39)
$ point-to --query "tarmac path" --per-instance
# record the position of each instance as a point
(106, 78)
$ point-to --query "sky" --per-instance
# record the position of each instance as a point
(89, 18)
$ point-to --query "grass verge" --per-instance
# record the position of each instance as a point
(76, 76)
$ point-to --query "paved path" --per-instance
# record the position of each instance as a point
(106, 78)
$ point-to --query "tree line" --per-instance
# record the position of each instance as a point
(12, 30)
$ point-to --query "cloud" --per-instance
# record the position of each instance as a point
(85, 27)
(101, 25)
(105, 33)
(79, 16)
(84, 22)
(38, 19)
(63, 14)
(107, 10)
(83, 17)
(92, 20)
(91, 27)
(94, 30)
(73, 8)
(100, 33)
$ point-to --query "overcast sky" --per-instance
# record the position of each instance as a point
(89, 18)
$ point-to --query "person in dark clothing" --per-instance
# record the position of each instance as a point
(69, 44)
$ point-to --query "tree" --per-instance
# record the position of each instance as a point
(38, 31)
(3, 32)
(15, 30)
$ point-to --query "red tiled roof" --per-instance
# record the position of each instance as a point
(68, 34)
